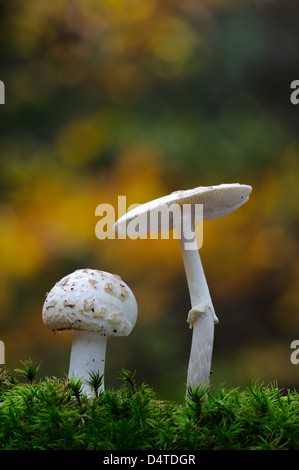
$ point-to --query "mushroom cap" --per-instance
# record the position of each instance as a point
(91, 300)
(218, 201)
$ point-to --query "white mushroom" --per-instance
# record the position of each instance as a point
(93, 304)
(217, 201)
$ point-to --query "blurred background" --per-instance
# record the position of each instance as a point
(141, 98)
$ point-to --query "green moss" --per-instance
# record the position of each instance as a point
(54, 414)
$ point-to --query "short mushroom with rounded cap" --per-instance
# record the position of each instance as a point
(216, 201)
(93, 304)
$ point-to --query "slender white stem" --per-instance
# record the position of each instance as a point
(87, 355)
(202, 316)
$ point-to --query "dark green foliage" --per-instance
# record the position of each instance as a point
(56, 414)
(75, 385)
(29, 370)
(95, 381)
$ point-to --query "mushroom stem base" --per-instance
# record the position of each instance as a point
(87, 355)
(201, 351)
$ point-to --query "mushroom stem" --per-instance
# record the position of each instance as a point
(87, 355)
(201, 316)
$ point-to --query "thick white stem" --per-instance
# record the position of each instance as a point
(87, 355)
(201, 316)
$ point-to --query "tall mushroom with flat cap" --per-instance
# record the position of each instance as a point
(216, 201)
(93, 304)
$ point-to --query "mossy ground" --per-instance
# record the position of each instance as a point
(53, 414)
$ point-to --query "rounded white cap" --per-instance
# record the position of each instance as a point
(91, 300)
(218, 201)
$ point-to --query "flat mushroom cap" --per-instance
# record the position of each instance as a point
(218, 201)
(91, 300)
